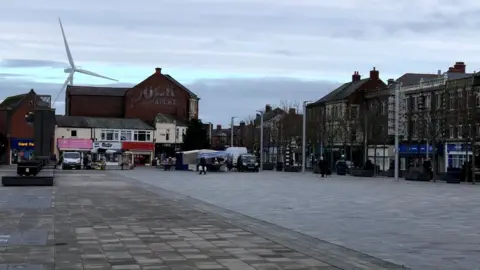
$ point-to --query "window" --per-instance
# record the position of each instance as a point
(459, 131)
(384, 108)
(477, 98)
(126, 135)
(109, 135)
(428, 101)
(415, 103)
(354, 111)
(167, 135)
(142, 135)
(177, 133)
(451, 132)
(439, 100)
(451, 102)
(73, 133)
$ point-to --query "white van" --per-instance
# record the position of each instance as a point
(72, 160)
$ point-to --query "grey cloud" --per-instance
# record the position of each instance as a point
(220, 99)
(223, 98)
(31, 63)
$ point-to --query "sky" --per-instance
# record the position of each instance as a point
(236, 55)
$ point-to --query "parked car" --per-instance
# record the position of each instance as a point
(72, 160)
(247, 162)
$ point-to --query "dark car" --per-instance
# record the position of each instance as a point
(247, 163)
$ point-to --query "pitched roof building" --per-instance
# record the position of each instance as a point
(159, 93)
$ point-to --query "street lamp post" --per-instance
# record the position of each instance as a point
(304, 134)
(261, 139)
(397, 129)
(231, 135)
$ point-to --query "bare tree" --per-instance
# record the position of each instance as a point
(374, 128)
(431, 122)
(250, 134)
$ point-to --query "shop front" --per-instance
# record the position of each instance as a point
(142, 151)
(111, 152)
(20, 150)
(457, 154)
(79, 145)
(413, 155)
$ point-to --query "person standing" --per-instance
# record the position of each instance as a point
(322, 164)
(203, 165)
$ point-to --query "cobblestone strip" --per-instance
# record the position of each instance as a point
(104, 223)
(329, 253)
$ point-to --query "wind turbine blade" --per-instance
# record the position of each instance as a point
(63, 88)
(93, 74)
(69, 54)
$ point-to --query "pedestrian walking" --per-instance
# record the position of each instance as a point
(203, 165)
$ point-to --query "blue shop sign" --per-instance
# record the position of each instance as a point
(414, 148)
(458, 147)
(22, 144)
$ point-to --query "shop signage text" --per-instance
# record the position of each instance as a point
(21, 144)
(26, 144)
(107, 145)
(72, 143)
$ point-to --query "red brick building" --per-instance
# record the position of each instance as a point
(16, 135)
(159, 93)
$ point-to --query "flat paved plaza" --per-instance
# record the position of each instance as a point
(419, 225)
(104, 220)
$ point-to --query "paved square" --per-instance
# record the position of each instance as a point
(420, 225)
(99, 220)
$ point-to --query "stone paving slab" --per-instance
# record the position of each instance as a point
(423, 225)
(108, 222)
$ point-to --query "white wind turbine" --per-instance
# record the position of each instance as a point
(72, 69)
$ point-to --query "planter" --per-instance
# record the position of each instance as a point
(416, 174)
(293, 169)
(279, 166)
(268, 166)
(361, 173)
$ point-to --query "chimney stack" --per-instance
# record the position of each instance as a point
(219, 127)
(158, 70)
(268, 108)
(374, 74)
(390, 82)
(356, 77)
(291, 111)
(460, 67)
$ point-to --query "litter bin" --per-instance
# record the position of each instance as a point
(279, 166)
(341, 167)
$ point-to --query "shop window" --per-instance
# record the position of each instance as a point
(73, 133)
(143, 136)
(109, 135)
(126, 136)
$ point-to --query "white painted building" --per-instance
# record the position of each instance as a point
(169, 135)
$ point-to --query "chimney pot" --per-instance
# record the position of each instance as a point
(219, 127)
(356, 76)
(158, 70)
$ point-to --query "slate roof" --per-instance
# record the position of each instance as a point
(165, 118)
(16, 100)
(414, 78)
(11, 101)
(101, 122)
(342, 92)
(76, 90)
(177, 83)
